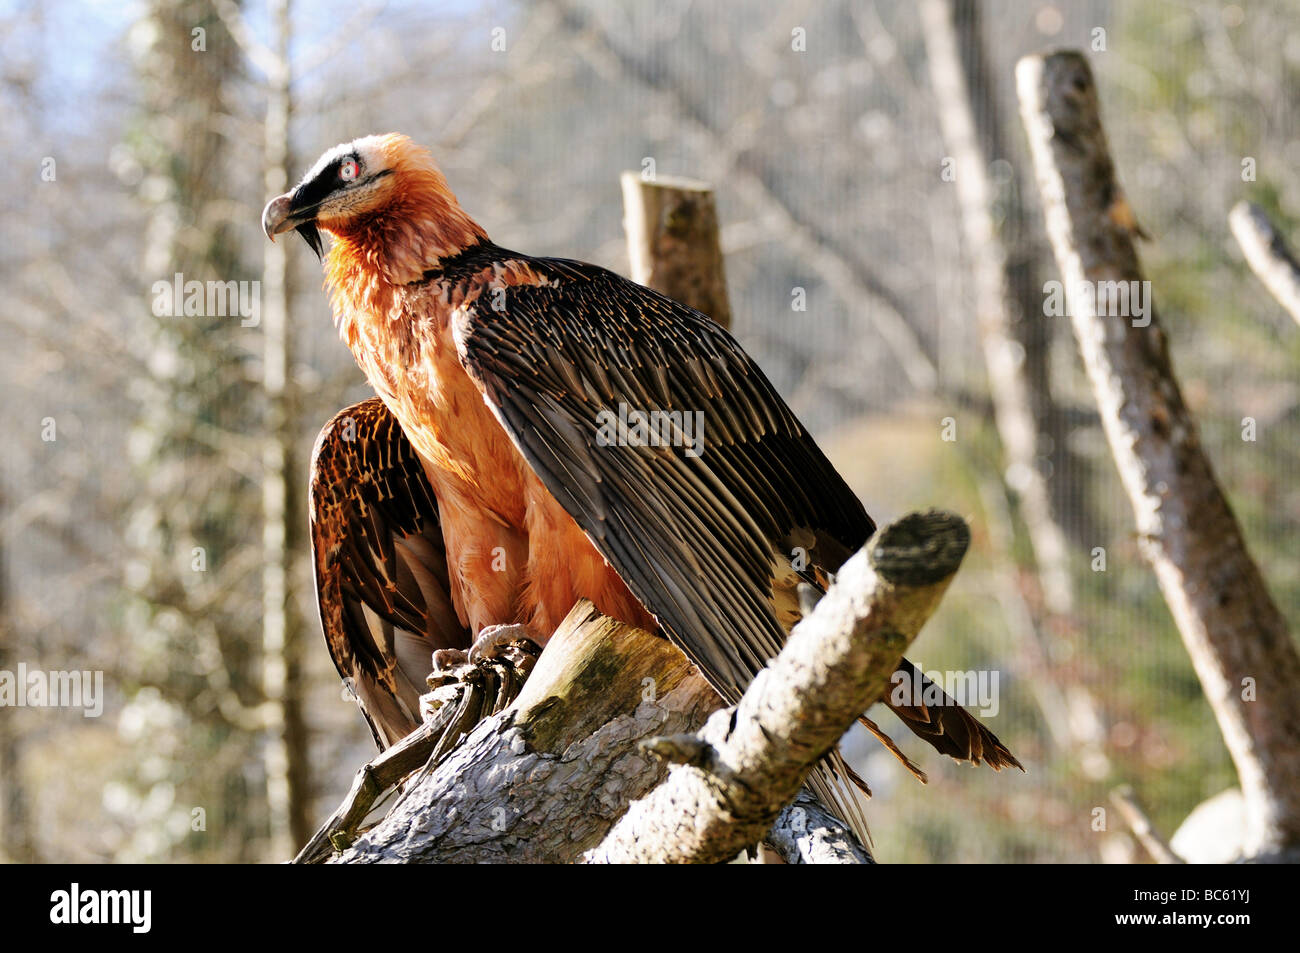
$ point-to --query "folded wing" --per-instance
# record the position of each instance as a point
(381, 570)
(714, 511)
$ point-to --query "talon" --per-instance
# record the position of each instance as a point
(494, 639)
(444, 660)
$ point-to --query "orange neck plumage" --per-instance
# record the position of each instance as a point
(379, 251)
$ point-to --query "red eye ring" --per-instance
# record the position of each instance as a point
(348, 170)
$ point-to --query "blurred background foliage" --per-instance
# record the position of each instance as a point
(831, 153)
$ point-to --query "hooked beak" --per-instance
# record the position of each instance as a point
(279, 216)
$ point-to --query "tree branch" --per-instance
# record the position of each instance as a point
(1267, 254)
(543, 780)
(546, 779)
(1238, 641)
(734, 776)
(1139, 823)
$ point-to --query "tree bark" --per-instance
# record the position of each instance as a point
(804, 833)
(1239, 642)
(547, 779)
(544, 780)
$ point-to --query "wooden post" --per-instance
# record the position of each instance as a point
(1239, 642)
(672, 241)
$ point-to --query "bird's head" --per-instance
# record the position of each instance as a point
(384, 196)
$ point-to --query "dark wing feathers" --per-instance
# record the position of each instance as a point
(693, 537)
(949, 727)
(381, 571)
(701, 541)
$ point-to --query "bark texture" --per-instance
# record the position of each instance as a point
(608, 706)
(672, 241)
(543, 780)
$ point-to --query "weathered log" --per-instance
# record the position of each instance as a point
(544, 779)
(460, 700)
(586, 763)
(1238, 640)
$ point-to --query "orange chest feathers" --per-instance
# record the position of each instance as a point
(490, 498)
(410, 358)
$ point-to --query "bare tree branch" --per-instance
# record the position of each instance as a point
(548, 777)
(1267, 254)
(1126, 803)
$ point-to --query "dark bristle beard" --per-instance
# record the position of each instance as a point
(311, 235)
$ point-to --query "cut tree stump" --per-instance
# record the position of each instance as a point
(673, 245)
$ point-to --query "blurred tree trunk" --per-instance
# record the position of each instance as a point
(287, 764)
(1024, 281)
(17, 845)
(1006, 301)
(189, 518)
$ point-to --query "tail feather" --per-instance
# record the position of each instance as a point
(897, 752)
(944, 725)
(841, 789)
(949, 728)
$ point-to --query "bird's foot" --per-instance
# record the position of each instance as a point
(502, 645)
(447, 660)
(482, 680)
